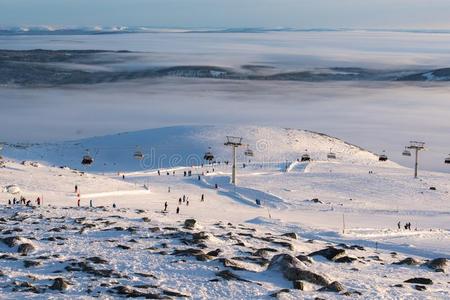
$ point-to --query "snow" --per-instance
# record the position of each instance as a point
(370, 205)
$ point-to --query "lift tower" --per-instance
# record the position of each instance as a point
(234, 142)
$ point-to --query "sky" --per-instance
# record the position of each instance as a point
(392, 14)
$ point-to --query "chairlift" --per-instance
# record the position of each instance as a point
(306, 157)
(447, 160)
(383, 157)
(208, 155)
(87, 159)
(331, 155)
(406, 152)
(248, 152)
(138, 155)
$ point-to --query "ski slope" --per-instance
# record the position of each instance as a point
(359, 201)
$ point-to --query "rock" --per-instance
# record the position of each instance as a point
(420, 287)
(437, 263)
(147, 275)
(284, 244)
(335, 287)
(187, 252)
(11, 241)
(31, 263)
(231, 264)
(25, 248)
(329, 253)
(190, 223)
(407, 261)
(123, 247)
(97, 260)
(293, 269)
(291, 235)
(264, 252)
(60, 284)
(175, 294)
(304, 258)
(214, 253)
(419, 280)
(298, 285)
(345, 259)
(199, 236)
(228, 275)
(278, 293)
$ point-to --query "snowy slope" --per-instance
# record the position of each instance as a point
(186, 145)
(137, 243)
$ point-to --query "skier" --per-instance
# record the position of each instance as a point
(179, 200)
(178, 209)
(159, 173)
(203, 198)
(165, 206)
(198, 177)
(123, 176)
(399, 225)
(216, 186)
(38, 201)
(184, 198)
(9, 201)
(78, 202)
(76, 189)
(28, 203)
(114, 205)
(168, 190)
(187, 203)
(90, 203)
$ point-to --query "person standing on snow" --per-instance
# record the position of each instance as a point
(38, 201)
(178, 209)
(399, 225)
(76, 189)
(165, 206)
(203, 198)
(78, 202)
(90, 203)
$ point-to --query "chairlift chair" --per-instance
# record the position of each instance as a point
(306, 157)
(87, 159)
(383, 157)
(447, 160)
(208, 155)
(138, 155)
(331, 155)
(248, 152)
(406, 152)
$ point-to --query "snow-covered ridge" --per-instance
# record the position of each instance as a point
(186, 145)
(89, 30)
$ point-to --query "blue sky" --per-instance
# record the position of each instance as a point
(230, 13)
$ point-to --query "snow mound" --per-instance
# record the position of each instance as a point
(186, 145)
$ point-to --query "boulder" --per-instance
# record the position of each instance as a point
(59, 284)
(335, 287)
(293, 269)
(437, 263)
(190, 223)
(11, 241)
(419, 280)
(408, 261)
(305, 258)
(420, 287)
(298, 285)
(25, 248)
(228, 275)
(329, 253)
(31, 263)
(345, 259)
(291, 235)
